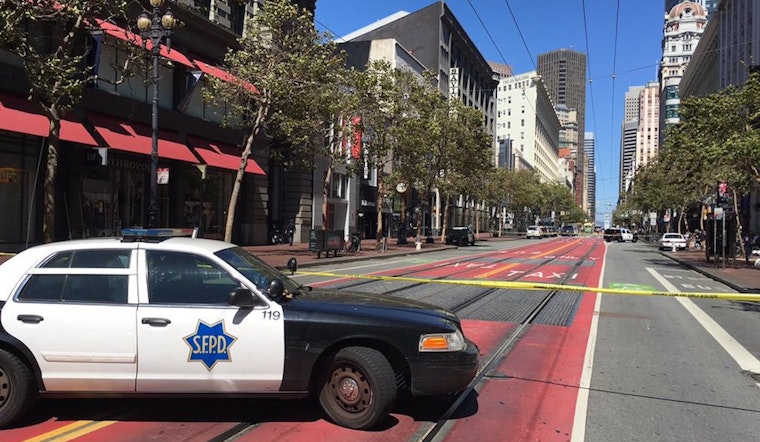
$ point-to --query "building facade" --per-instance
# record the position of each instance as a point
(589, 147)
(568, 145)
(438, 41)
(648, 129)
(628, 138)
(563, 73)
(104, 165)
(684, 25)
(526, 116)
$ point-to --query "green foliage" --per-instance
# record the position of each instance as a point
(717, 139)
(291, 80)
(49, 39)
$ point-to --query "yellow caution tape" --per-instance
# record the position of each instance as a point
(541, 286)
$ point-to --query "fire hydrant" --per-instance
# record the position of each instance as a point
(418, 243)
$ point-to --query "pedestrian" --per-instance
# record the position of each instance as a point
(747, 246)
(291, 231)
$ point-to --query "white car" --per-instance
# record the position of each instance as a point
(669, 240)
(150, 315)
(534, 232)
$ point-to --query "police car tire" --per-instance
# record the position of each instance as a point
(371, 373)
(16, 391)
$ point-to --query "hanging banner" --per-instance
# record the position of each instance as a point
(162, 175)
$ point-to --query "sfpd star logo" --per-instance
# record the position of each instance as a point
(209, 344)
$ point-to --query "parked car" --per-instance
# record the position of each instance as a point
(619, 235)
(461, 236)
(150, 314)
(668, 240)
(569, 230)
(534, 232)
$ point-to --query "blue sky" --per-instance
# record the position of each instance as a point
(622, 41)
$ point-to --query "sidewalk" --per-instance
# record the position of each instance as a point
(279, 254)
(740, 276)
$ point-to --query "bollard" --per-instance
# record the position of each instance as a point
(674, 247)
(418, 244)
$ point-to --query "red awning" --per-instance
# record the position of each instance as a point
(225, 76)
(137, 138)
(122, 34)
(222, 156)
(18, 115)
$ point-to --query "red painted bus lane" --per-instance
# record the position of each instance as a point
(532, 394)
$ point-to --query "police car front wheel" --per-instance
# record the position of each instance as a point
(16, 392)
(359, 388)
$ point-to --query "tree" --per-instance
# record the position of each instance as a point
(385, 101)
(717, 139)
(288, 80)
(49, 39)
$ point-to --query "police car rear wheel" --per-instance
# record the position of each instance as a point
(359, 389)
(15, 388)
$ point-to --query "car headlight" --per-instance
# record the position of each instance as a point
(442, 342)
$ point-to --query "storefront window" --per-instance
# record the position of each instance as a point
(18, 159)
(202, 201)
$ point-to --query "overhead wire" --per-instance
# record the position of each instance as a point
(487, 32)
(519, 32)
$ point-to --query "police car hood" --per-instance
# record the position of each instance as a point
(367, 303)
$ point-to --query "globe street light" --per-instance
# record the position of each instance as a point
(155, 27)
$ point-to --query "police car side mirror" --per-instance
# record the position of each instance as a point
(292, 265)
(241, 297)
(276, 288)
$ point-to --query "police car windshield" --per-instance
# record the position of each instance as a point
(254, 269)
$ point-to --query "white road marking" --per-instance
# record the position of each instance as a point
(581, 402)
(746, 360)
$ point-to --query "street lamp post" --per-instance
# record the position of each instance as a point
(154, 28)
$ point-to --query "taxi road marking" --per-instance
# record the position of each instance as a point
(71, 431)
(744, 358)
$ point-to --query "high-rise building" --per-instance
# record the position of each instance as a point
(647, 134)
(563, 73)
(568, 147)
(589, 143)
(684, 25)
(628, 139)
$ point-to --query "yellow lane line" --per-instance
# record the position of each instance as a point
(71, 431)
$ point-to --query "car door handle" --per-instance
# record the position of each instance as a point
(156, 322)
(30, 319)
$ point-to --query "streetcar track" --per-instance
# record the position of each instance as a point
(438, 428)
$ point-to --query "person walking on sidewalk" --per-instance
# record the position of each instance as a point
(747, 245)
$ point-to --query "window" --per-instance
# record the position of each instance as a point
(86, 288)
(93, 259)
(183, 278)
(97, 289)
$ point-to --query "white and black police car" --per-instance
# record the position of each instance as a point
(153, 314)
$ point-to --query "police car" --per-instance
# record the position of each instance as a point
(154, 314)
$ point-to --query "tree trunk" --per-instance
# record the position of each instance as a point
(48, 219)
(379, 205)
(325, 192)
(445, 223)
(250, 139)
